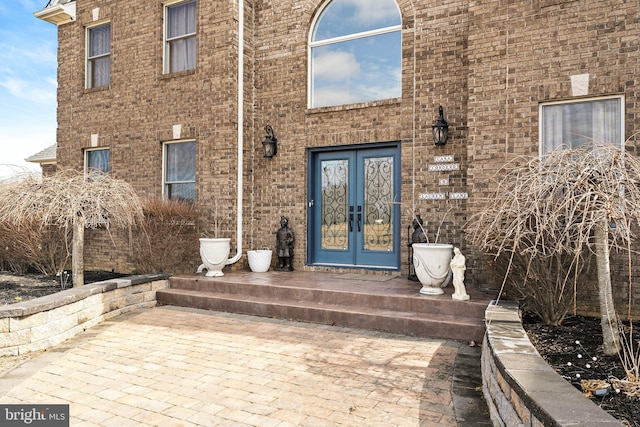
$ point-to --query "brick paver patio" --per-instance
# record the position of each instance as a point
(171, 366)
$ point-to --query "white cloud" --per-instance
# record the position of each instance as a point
(38, 92)
(373, 84)
(28, 63)
(332, 95)
(380, 85)
(372, 92)
(19, 141)
(335, 65)
(28, 67)
(369, 11)
(23, 55)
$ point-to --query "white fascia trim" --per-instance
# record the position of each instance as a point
(59, 14)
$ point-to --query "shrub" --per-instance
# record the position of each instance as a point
(545, 286)
(167, 239)
(31, 246)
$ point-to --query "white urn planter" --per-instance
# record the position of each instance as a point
(214, 253)
(432, 265)
(259, 260)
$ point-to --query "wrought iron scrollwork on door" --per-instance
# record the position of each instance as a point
(334, 204)
(378, 204)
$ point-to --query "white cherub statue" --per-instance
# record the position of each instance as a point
(458, 267)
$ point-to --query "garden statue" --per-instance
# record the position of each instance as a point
(284, 245)
(458, 267)
(417, 236)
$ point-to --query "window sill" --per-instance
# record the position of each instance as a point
(96, 89)
(356, 106)
(169, 76)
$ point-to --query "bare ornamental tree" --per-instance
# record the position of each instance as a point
(71, 200)
(569, 204)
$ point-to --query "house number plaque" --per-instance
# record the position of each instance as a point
(444, 167)
(432, 196)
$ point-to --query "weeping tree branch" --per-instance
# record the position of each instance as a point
(576, 202)
(71, 200)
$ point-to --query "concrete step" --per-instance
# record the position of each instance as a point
(394, 305)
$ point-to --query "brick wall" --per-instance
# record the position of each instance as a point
(48, 168)
(434, 38)
(523, 53)
(489, 64)
(137, 112)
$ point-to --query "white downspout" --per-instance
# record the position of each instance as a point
(238, 254)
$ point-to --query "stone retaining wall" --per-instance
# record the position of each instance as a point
(520, 388)
(41, 323)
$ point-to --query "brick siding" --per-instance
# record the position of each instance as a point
(489, 64)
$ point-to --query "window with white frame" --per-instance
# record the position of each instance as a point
(98, 56)
(98, 159)
(570, 124)
(179, 174)
(180, 36)
(355, 53)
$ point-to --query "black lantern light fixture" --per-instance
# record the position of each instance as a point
(270, 142)
(440, 129)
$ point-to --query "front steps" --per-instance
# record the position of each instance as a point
(384, 303)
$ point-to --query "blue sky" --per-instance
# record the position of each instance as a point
(359, 68)
(28, 62)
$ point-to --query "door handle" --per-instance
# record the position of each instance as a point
(359, 218)
(350, 218)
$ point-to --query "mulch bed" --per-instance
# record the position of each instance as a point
(16, 288)
(570, 348)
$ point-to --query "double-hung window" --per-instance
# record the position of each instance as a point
(355, 53)
(570, 124)
(179, 36)
(179, 170)
(97, 160)
(98, 67)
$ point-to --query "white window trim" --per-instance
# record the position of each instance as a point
(86, 157)
(87, 40)
(578, 101)
(311, 44)
(356, 36)
(165, 40)
(164, 164)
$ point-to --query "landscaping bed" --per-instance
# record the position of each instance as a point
(570, 348)
(23, 287)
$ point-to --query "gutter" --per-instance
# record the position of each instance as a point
(238, 254)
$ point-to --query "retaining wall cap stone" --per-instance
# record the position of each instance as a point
(45, 303)
(146, 278)
(101, 287)
(71, 295)
(504, 312)
(550, 398)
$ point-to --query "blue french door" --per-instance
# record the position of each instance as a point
(353, 209)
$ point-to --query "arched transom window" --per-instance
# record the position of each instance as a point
(355, 53)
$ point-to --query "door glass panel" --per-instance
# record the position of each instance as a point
(334, 221)
(378, 204)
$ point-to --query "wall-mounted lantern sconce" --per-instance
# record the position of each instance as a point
(270, 142)
(440, 129)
